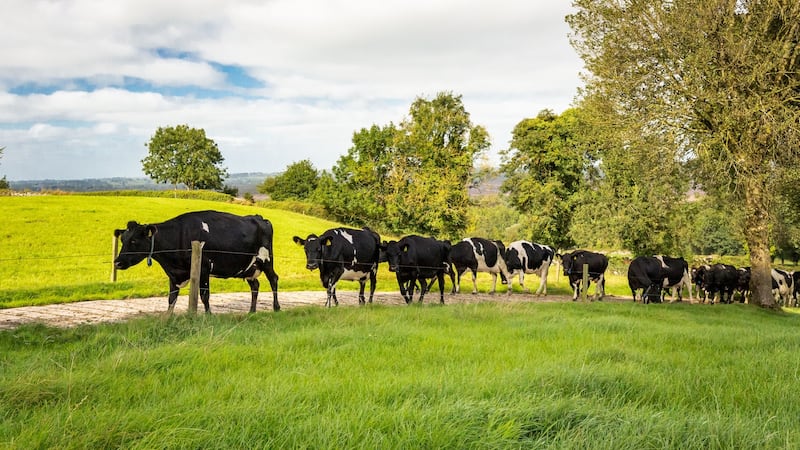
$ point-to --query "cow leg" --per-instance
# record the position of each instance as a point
(475, 282)
(600, 288)
(373, 278)
(543, 279)
(173, 296)
(402, 285)
(254, 285)
(440, 277)
(272, 277)
(362, 284)
(576, 289)
(205, 292)
(457, 283)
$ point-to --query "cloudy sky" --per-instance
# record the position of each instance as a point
(85, 84)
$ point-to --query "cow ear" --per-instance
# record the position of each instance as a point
(327, 241)
(151, 230)
(404, 248)
(298, 240)
(118, 233)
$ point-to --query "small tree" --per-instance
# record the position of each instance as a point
(298, 182)
(3, 182)
(184, 155)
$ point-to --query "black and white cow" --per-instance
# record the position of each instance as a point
(572, 264)
(645, 273)
(233, 247)
(676, 276)
(527, 257)
(782, 286)
(699, 280)
(479, 255)
(343, 254)
(418, 259)
(743, 284)
(795, 286)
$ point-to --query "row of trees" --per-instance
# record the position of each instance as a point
(678, 94)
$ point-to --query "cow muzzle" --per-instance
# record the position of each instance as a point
(312, 265)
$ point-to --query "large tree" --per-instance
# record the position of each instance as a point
(546, 167)
(412, 177)
(719, 75)
(3, 182)
(435, 150)
(185, 155)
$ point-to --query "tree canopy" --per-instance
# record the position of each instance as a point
(718, 78)
(297, 182)
(185, 155)
(411, 177)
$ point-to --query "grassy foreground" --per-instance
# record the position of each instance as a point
(491, 375)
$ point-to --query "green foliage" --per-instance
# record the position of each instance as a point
(602, 375)
(716, 231)
(297, 182)
(545, 168)
(492, 217)
(4, 183)
(409, 178)
(184, 155)
(717, 79)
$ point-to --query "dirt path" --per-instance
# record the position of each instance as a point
(99, 311)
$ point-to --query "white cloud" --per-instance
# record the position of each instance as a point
(328, 68)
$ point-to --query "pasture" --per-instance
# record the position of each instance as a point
(612, 375)
(58, 249)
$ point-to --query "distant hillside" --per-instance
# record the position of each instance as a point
(245, 182)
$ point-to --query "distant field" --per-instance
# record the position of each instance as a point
(58, 248)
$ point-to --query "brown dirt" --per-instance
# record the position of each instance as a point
(100, 311)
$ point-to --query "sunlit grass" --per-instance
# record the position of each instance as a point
(492, 375)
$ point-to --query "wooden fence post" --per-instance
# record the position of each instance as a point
(194, 276)
(585, 283)
(114, 248)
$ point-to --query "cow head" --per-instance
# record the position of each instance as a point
(513, 260)
(137, 243)
(566, 262)
(394, 252)
(312, 245)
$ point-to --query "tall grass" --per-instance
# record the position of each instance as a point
(491, 375)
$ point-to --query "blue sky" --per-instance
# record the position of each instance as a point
(85, 84)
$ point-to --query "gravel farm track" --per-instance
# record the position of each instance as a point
(101, 311)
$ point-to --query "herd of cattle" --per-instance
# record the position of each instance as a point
(241, 247)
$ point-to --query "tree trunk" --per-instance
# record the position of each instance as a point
(757, 235)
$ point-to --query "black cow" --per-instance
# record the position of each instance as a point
(699, 281)
(573, 268)
(782, 286)
(233, 247)
(526, 257)
(479, 255)
(646, 273)
(415, 258)
(721, 278)
(743, 284)
(343, 254)
(795, 286)
(676, 276)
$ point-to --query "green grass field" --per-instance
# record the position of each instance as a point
(58, 249)
(490, 375)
